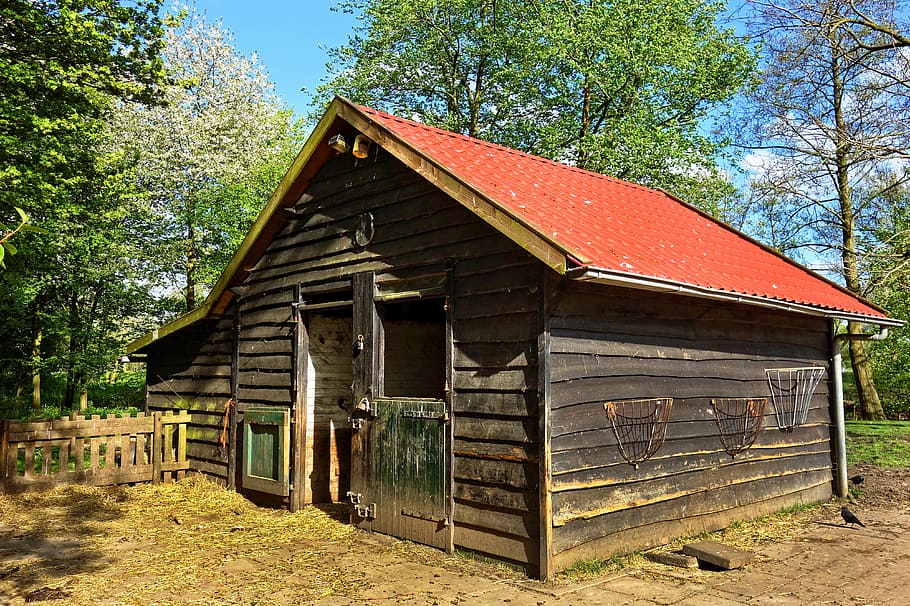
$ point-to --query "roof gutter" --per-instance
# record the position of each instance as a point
(606, 276)
(840, 428)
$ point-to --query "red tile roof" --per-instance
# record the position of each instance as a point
(619, 227)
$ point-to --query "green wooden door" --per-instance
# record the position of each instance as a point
(408, 479)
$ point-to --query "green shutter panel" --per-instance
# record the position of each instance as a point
(266, 450)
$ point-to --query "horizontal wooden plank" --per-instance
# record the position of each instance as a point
(603, 435)
(505, 547)
(656, 529)
(611, 342)
(280, 346)
(688, 418)
(268, 316)
(510, 328)
(500, 429)
(483, 305)
(500, 497)
(718, 483)
(519, 403)
(495, 379)
(589, 300)
(268, 362)
(686, 507)
(471, 282)
(507, 451)
(425, 260)
(505, 473)
(639, 386)
(201, 386)
(510, 522)
(250, 379)
(485, 355)
(602, 462)
(266, 331)
(252, 395)
(567, 367)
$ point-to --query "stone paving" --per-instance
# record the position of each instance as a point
(830, 564)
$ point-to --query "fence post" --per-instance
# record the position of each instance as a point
(157, 447)
(4, 449)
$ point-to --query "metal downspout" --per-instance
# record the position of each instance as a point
(840, 438)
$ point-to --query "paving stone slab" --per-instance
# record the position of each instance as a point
(718, 554)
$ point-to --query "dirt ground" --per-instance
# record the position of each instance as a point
(194, 543)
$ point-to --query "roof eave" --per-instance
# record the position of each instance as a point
(606, 276)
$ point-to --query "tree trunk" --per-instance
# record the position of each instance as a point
(870, 404)
(36, 362)
(192, 260)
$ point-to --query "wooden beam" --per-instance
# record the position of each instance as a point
(299, 365)
(231, 412)
(450, 396)
(546, 569)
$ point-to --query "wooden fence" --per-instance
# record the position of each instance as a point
(35, 455)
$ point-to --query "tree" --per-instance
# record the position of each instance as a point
(61, 64)
(222, 129)
(832, 121)
(607, 86)
(888, 265)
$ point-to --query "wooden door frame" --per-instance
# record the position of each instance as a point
(369, 376)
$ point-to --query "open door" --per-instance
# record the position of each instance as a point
(400, 445)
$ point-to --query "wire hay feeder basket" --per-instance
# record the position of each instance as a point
(640, 426)
(791, 393)
(739, 421)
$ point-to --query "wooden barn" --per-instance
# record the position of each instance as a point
(483, 349)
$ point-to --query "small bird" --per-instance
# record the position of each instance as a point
(849, 518)
(857, 480)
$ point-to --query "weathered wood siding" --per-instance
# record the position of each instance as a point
(495, 328)
(191, 370)
(328, 429)
(610, 343)
(419, 232)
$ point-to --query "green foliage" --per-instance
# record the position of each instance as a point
(60, 62)
(882, 443)
(616, 87)
(889, 270)
(203, 165)
(122, 394)
(64, 295)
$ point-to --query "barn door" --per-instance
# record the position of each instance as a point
(408, 461)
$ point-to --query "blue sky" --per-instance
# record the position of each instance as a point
(290, 37)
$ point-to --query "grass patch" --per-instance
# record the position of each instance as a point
(882, 443)
(582, 570)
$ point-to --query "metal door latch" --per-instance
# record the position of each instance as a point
(361, 411)
(363, 511)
